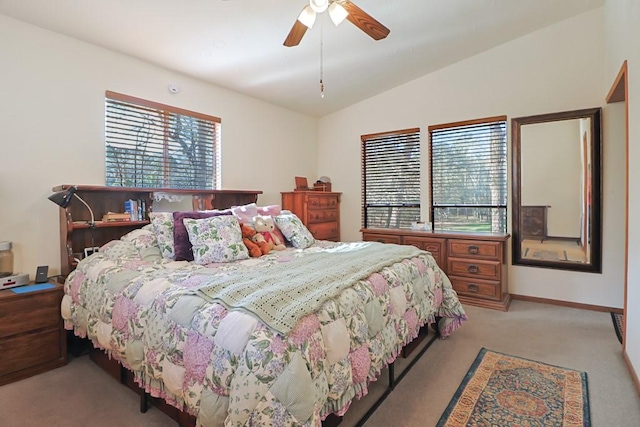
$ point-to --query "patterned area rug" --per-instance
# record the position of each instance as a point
(503, 390)
(618, 324)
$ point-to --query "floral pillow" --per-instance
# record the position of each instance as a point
(294, 231)
(216, 239)
(162, 223)
(181, 242)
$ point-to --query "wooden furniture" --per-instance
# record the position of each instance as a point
(319, 211)
(534, 222)
(32, 337)
(76, 233)
(474, 262)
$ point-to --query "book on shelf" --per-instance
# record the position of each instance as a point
(116, 217)
(136, 209)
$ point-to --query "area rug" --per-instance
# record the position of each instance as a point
(504, 390)
(618, 324)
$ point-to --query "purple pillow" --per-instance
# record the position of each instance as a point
(182, 244)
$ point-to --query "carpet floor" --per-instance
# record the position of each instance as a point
(501, 389)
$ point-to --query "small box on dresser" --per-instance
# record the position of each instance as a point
(32, 337)
(319, 211)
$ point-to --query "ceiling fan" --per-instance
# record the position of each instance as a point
(339, 10)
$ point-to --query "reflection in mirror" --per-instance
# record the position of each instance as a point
(556, 190)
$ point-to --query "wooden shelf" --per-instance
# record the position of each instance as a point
(103, 224)
(76, 233)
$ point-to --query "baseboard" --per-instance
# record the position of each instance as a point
(632, 372)
(567, 304)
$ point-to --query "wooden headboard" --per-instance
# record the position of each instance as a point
(76, 234)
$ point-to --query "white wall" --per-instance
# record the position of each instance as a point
(52, 131)
(551, 173)
(555, 69)
(622, 25)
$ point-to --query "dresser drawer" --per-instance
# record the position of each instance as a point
(381, 238)
(489, 270)
(475, 249)
(476, 288)
(27, 351)
(31, 312)
(322, 201)
(322, 215)
(325, 230)
(435, 246)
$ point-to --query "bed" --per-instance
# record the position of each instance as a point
(284, 339)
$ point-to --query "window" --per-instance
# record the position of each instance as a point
(391, 179)
(469, 175)
(154, 145)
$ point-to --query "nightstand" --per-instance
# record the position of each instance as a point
(32, 337)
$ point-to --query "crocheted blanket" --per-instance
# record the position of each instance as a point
(281, 294)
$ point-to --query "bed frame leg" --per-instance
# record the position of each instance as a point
(392, 376)
(144, 403)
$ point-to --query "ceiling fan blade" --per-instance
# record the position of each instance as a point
(295, 35)
(364, 21)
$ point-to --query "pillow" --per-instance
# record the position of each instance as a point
(182, 245)
(162, 223)
(216, 239)
(294, 231)
(246, 213)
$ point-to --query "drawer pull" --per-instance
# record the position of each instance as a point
(473, 249)
(472, 287)
(473, 269)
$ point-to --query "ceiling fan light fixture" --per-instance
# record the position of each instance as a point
(337, 13)
(307, 17)
(319, 6)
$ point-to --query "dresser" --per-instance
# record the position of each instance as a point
(319, 211)
(534, 222)
(32, 337)
(474, 262)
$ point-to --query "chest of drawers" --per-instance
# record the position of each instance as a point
(474, 262)
(319, 211)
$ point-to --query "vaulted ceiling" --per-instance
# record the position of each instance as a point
(238, 44)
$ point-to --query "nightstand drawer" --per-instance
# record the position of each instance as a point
(474, 268)
(325, 230)
(476, 288)
(29, 312)
(323, 215)
(475, 249)
(322, 201)
(28, 351)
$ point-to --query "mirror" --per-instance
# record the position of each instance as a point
(557, 190)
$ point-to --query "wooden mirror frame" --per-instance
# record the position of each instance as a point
(595, 227)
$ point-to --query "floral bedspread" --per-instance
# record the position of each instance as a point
(225, 366)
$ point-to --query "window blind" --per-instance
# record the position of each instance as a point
(154, 145)
(469, 175)
(391, 179)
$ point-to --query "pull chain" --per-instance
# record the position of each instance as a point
(321, 61)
